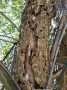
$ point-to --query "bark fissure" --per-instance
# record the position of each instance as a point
(30, 52)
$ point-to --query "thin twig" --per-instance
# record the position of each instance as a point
(14, 58)
(9, 20)
(9, 37)
(6, 41)
(9, 51)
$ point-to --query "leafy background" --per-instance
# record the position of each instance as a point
(10, 15)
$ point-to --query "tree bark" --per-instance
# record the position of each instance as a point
(62, 57)
(33, 55)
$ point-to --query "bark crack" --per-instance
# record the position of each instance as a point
(30, 53)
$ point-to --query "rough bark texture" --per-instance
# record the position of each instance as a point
(62, 57)
(32, 57)
(63, 49)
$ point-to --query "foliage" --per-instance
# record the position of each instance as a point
(10, 12)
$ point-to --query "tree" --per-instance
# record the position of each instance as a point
(34, 43)
(33, 56)
(42, 28)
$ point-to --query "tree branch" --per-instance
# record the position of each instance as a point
(9, 37)
(9, 20)
(56, 74)
(6, 41)
(14, 58)
(6, 72)
(9, 51)
(60, 76)
(55, 56)
(56, 39)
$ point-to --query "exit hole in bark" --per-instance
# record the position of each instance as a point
(40, 30)
(33, 12)
(47, 13)
(37, 37)
(23, 74)
(19, 82)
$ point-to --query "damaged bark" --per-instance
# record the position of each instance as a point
(33, 55)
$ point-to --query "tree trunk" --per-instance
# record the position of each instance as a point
(62, 57)
(33, 55)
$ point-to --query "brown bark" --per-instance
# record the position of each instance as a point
(33, 55)
(62, 57)
(63, 49)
